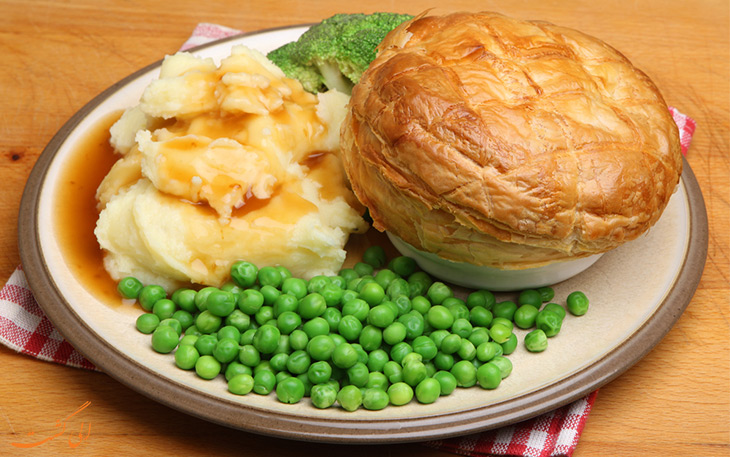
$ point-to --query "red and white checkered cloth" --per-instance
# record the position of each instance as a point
(26, 329)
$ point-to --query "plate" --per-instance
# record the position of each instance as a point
(637, 293)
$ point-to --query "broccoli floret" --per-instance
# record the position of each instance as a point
(334, 53)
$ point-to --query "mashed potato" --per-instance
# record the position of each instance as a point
(225, 163)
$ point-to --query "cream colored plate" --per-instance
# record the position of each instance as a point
(637, 292)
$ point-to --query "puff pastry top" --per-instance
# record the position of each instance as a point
(508, 143)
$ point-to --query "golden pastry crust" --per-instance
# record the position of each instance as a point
(508, 143)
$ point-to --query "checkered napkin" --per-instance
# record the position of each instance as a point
(25, 328)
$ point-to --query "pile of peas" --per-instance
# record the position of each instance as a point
(377, 334)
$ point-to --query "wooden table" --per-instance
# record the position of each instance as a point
(57, 55)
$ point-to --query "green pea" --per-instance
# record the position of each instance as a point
(250, 356)
(288, 321)
(270, 294)
(174, 323)
(375, 256)
(148, 322)
(149, 295)
(186, 356)
(465, 373)
(349, 398)
(377, 380)
(451, 343)
(480, 316)
(398, 287)
(207, 367)
(226, 350)
(247, 336)
(264, 382)
(403, 266)
(264, 315)
(418, 283)
(400, 394)
(394, 333)
(208, 322)
(344, 356)
(555, 308)
(244, 274)
(375, 399)
(425, 346)
(320, 347)
(315, 327)
(536, 341)
(205, 344)
(290, 390)
(370, 338)
(446, 380)
(414, 322)
(241, 384)
(483, 298)
(350, 327)
(509, 346)
(220, 303)
(399, 351)
(462, 327)
(443, 361)
(393, 371)
(294, 286)
(546, 294)
(358, 308)
(298, 362)
(250, 301)
(323, 395)
(164, 339)
(500, 333)
(467, 350)
(201, 296)
(332, 295)
(185, 299)
(479, 335)
(298, 340)
(420, 304)
(188, 340)
(428, 391)
(236, 368)
(414, 372)
(284, 303)
(348, 274)
(362, 355)
(358, 374)
(438, 292)
(184, 318)
(373, 293)
(377, 360)
(363, 269)
(487, 351)
(577, 303)
(381, 316)
(319, 372)
(266, 338)
(129, 287)
(269, 276)
(530, 297)
(238, 319)
(504, 364)
(525, 316)
(505, 310)
(489, 376)
(549, 322)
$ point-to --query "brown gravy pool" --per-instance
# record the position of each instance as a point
(76, 214)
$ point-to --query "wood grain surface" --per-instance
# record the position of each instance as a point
(56, 56)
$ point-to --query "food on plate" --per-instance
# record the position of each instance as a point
(378, 334)
(221, 163)
(506, 143)
(335, 52)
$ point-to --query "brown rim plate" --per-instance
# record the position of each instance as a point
(637, 293)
